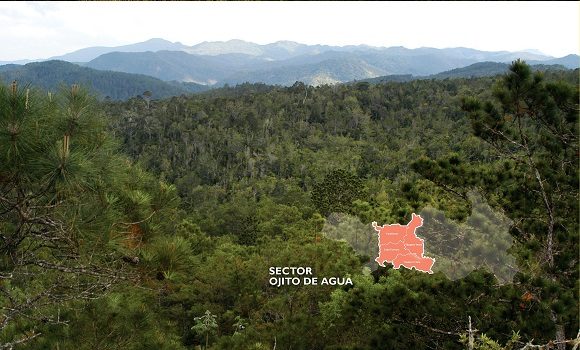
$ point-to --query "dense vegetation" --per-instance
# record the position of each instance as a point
(236, 180)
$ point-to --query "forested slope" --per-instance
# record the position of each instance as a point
(256, 171)
(51, 75)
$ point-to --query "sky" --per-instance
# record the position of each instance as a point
(33, 30)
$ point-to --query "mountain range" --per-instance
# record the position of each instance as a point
(213, 64)
(286, 62)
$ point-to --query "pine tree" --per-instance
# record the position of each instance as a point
(533, 128)
(67, 212)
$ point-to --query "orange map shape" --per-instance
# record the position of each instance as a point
(400, 246)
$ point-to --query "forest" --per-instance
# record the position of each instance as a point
(152, 223)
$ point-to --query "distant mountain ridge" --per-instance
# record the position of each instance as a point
(476, 70)
(279, 50)
(164, 65)
(237, 62)
(568, 61)
(90, 53)
(285, 62)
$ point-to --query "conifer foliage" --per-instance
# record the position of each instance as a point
(65, 208)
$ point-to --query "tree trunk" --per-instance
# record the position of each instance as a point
(560, 336)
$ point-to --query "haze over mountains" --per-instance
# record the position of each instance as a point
(283, 62)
